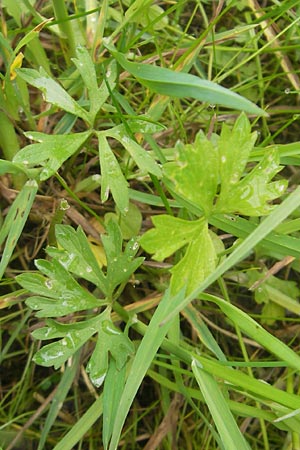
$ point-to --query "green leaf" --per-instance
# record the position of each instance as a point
(76, 255)
(86, 68)
(142, 158)
(111, 341)
(51, 151)
(15, 221)
(54, 93)
(235, 145)
(120, 265)
(195, 172)
(10, 167)
(178, 84)
(199, 169)
(58, 293)
(112, 391)
(199, 261)
(73, 336)
(112, 177)
(230, 434)
(130, 223)
(251, 195)
(171, 234)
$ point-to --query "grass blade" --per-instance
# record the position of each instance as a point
(15, 221)
(178, 84)
(231, 436)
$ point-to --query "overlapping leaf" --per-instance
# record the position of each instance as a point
(171, 234)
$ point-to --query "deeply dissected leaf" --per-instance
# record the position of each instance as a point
(58, 293)
(51, 151)
(120, 265)
(76, 256)
(86, 68)
(111, 340)
(58, 352)
(112, 177)
(169, 235)
(251, 195)
(142, 158)
(54, 93)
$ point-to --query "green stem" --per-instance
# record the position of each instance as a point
(61, 15)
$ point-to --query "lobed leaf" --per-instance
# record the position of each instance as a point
(169, 235)
(51, 151)
(112, 177)
(111, 341)
(195, 172)
(76, 255)
(58, 293)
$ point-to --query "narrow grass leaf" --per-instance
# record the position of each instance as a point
(63, 388)
(15, 221)
(83, 425)
(256, 331)
(144, 356)
(230, 434)
(177, 84)
(274, 243)
(112, 391)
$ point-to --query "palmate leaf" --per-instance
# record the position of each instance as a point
(171, 234)
(201, 169)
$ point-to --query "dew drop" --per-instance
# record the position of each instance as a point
(287, 91)
(135, 246)
(49, 284)
(25, 162)
(223, 159)
(89, 269)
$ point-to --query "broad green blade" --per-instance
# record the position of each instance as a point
(178, 84)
